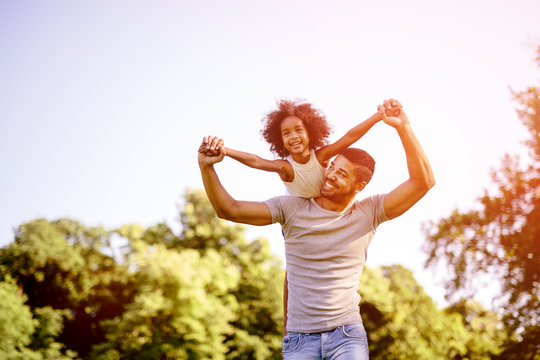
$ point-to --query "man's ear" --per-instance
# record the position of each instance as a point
(360, 186)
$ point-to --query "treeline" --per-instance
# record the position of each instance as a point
(71, 291)
(499, 239)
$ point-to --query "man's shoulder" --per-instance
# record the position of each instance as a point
(283, 207)
(287, 202)
(369, 201)
(372, 206)
(288, 199)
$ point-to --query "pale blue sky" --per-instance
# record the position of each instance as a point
(103, 103)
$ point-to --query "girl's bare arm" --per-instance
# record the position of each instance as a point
(327, 152)
(282, 167)
(392, 108)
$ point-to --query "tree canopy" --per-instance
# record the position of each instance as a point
(403, 322)
(500, 238)
(138, 293)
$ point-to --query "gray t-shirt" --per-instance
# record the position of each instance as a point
(325, 253)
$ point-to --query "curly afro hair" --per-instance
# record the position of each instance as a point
(314, 121)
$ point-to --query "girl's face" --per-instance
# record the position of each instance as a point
(294, 135)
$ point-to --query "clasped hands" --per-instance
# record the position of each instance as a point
(211, 150)
(391, 112)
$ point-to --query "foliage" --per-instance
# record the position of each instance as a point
(259, 316)
(62, 265)
(500, 238)
(485, 335)
(24, 337)
(250, 315)
(46, 265)
(182, 308)
(206, 293)
(16, 323)
(402, 322)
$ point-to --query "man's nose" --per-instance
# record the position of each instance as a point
(332, 174)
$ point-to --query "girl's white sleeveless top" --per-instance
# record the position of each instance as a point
(308, 177)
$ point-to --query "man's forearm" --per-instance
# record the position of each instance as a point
(218, 196)
(420, 171)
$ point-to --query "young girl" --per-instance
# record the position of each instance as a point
(298, 135)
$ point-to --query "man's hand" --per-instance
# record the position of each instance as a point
(210, 151)
(392, 113)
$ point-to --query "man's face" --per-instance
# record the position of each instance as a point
(340, 180)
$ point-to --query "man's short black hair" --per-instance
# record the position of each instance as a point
(365, 164)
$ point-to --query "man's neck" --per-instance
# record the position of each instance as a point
(334, 205)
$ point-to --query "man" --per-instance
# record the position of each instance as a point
(326, 240)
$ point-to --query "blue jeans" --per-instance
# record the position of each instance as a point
(347, 342)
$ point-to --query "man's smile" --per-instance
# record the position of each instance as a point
(328, 184)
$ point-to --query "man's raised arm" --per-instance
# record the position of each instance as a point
(228, 208)
(421, 177)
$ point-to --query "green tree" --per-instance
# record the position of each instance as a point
(500, 237)
(182, 308)
(16, 324)
(61, 264)
(252, 305)
(484, 328)
(402, 321)
(258, 324)
(24, 337)
(259, 316)
(46, 266)
(64, 268)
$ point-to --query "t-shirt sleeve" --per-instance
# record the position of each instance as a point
(277, 210)
(375, 205)
(282, 208)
